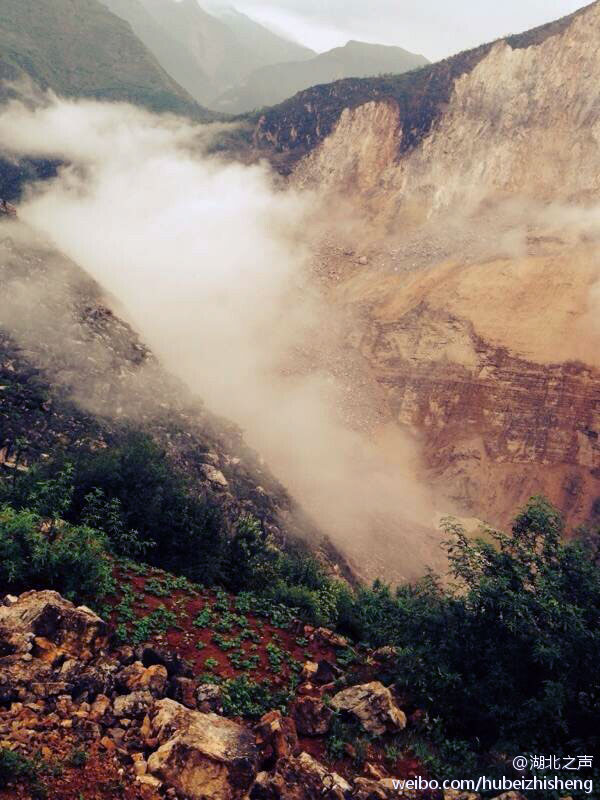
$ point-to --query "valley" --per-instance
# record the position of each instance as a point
(299, 406)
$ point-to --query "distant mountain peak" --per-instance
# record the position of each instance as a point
(271, 85)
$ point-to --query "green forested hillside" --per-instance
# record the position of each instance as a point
(78, 48)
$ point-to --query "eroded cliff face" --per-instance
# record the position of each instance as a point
(478, 306)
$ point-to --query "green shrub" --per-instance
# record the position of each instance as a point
(131, 491)
(243, 697)
(71, 559)
(252, 562)
(507, 659)
(15, 767)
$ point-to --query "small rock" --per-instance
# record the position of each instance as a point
(276, 736)
(149, 780)
(135, 704)
(312, 716)
(215, 476)
(209, 698)
(309, 670)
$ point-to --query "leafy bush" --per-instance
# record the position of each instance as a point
(131, 491)
(15, 767)
(71, 559)
(253, 562)
(293, 580)
(507, 658)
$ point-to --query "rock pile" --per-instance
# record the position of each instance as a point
(63, 688)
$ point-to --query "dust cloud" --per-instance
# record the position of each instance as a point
(209, 259)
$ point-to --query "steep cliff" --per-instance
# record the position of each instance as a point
(472, 186)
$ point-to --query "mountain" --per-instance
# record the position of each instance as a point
(176, 60)
(472, 281)
(81, 49)
(272, 84)
(206, 54)
(269, 48)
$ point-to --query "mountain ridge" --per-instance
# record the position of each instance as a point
(478, 276)
(206, 53)
(85, 50)
(272, 84)
(293, 128)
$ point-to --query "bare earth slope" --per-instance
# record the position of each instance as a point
(477, 307)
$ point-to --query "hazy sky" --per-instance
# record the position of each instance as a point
(436, 28)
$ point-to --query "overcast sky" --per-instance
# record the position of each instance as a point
(435, 28)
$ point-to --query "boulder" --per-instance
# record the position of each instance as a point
(301, 778)
(88, 681)
(202, 756)
(373, 706)
(312, 716)
(215, 476)
(40, 634)
(77, 632)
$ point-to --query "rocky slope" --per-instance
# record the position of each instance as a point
(73, 374)
(472, 185)
(81, 714)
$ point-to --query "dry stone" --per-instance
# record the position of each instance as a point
(373, 706)
(202, 756)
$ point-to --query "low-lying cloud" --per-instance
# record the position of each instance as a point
(209, 259)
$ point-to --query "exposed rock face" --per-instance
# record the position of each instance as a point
(476, 310)
(373, 706)
(201, 755)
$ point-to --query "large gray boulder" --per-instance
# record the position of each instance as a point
(40, 632)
